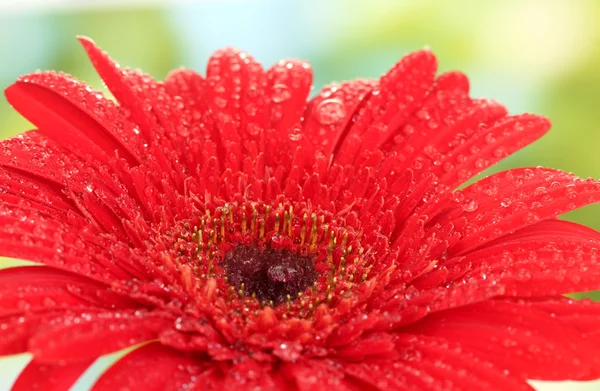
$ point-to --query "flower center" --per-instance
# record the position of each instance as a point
(269, 274)
(245, 256)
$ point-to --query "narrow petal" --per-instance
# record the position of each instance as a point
(490, 145)
(454, 368)
(203, 139)
(581, 315)
(33, 155)
(150, 106)
(116, 82)
(389, 375)
(518, 339)
(249, 375)
(548, 258)
(328, 115)
(74, 116)
(415, 304)
(153, 367)
(320, 375)
(74, 338)
(237, 97)
(288, 85)
(401, 92)
(18, 329)
(30, 235)
(39, 376)
(445, 106)
(505, 202)
(28, 289)
(447, 120)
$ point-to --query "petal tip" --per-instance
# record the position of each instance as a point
(85, 41)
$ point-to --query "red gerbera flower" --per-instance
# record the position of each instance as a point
(257, 241)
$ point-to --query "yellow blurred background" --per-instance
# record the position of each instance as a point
(541, 56)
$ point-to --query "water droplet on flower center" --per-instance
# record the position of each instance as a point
(269, 274)
(330, 111)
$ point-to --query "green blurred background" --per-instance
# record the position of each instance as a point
(541, 56)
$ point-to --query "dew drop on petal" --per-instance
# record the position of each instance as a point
(296, 135)
(470, 206)
(251, 109)
(330, 111)
(220, 102)
(49, 302)
(253, 129)
(281, 93)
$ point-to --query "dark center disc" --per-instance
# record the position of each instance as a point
(270, 274)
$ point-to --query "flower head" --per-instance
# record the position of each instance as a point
(256, 240)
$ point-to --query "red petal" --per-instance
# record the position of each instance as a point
(491, 145)
(74, 116)
(373, 344)
(392, 376)
(116, 82)
(45, 164)
(17, 330)
(414, 304)
(289, 83)
(237, 99)
(37, 376)
(248, 374)
(401, 92)
(453, 80)
(443, 107)
(42, 289)
(20, 192)
(548, 258)
(516, 338)
(40, 161)
(319, 375)
(153, 367)
(328, 115)
(581, 315)
(80, 337)
(455, 368)
(32, 236)
(191, 90)
(150, 106)
(288, 86)
(447, 120)
(513, 199)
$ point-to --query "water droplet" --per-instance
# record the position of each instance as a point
(49, 302)
(470, 206)
(330, 111)
(220, 102)
(281, 93)
(253, 129)
(500, 152)
(251, 109)
(220, 89)
(490, 138)
(423, 114)
(540, 191)
(296, 135)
